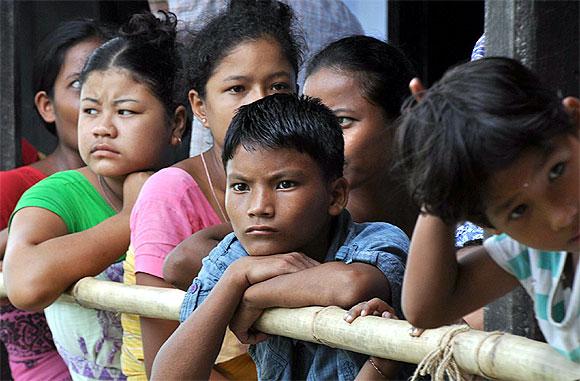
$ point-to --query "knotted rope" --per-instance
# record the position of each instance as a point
(440, 362)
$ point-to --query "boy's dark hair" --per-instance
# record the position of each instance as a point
(478, 119)
(243, 21)
(146, 48)
(52, 50)
(382, 70)
(289, 121)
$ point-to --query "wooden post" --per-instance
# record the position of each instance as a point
(9, 133)
(543, 35)
(9, 154)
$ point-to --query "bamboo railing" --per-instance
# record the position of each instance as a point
(488, 354)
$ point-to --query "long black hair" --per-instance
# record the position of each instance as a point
(478, 119)
(53, 48)
(147, 49)
(382, 70)
(242, 21)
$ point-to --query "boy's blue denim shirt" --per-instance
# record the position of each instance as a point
(279, 358)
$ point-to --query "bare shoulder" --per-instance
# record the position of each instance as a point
(194, 167)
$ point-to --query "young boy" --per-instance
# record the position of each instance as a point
(285, 197)
(490, 144)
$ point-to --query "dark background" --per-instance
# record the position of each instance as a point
(434, 34)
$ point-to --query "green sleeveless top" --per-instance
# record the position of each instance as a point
(88, 340)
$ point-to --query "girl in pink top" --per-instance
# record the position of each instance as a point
(245, 53)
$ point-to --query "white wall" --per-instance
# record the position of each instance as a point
(372, 15)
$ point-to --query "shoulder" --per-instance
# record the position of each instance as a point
(59, 182)
(508, 253)
(25, 173)
(13, 184)
(71, 196)
(378, 236)
(503, 247)
(225, 253)
(379, 244)
(173, 196)
(172, 175)
(18, 180)
(170, 184)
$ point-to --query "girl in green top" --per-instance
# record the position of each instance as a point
(76, 223)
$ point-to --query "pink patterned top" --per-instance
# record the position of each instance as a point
(170, 208)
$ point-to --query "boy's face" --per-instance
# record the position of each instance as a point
(279, 202)
(536, 199)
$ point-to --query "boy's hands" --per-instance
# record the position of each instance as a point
(242, 322)
(257, 269)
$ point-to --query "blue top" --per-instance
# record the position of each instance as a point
(479, 49)
(468, 234)
(379, 244)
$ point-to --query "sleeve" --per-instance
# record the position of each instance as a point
(164, 215)
(509, 254)
(29, 153)
(212, 269)
(49, 194)
(12, 189)
(384, 246)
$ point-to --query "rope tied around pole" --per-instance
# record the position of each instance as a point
(313, 329)
(480, 345)
(440, 361)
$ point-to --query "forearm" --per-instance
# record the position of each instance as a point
(38, 272)
(431, 274)
(181, 266)
(438, 288)
(184, 262)
(154, 332)
(385, 370)
(344, 285)
(191, 350)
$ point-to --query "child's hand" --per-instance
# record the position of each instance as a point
(242, 322)
(260, 268)
(131, 188)
(374, 307)
(375, 368)
(377, 307)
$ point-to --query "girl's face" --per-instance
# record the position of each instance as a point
(66, 92)
(367, 138)
(536, 200)
(123, 126)
(251, 71)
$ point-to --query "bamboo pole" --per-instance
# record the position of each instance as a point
(488, 354)
(152, 302)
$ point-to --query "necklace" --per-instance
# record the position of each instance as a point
(107, 192)
(225, 217)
